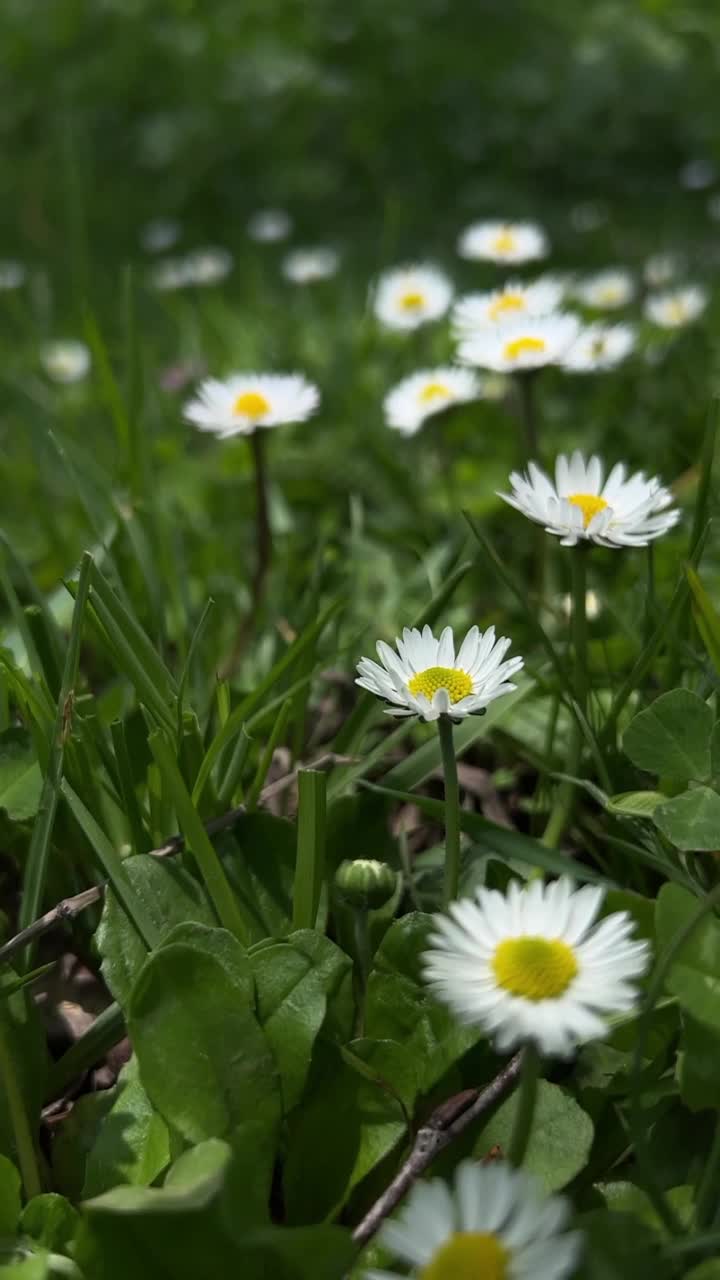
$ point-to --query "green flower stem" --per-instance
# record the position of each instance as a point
(527, 1097)
(263, 531)
(565, 796)
(525, 383)
(361, 965)
(707, 1192)
(26, 1153)
(452, 812)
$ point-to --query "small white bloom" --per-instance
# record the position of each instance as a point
(425, 678)
(503, 242)
(169, 274)
(407, 297)
(660, 269)
(698, 173)
(160, 234)
(599, 347)
(269, 225)
(495, 1223)
(514, 301)
(244, 402)
(208, 266)
(677, 307)
(520, 344)
(531, 964)
(606, 290)
(620, 511)
(305, 266)
(12, 274)
(66, 361)
(422, 394)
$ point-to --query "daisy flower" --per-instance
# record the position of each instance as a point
(242, 403)
(677, 307)
(514, 301)
(160, 234)
(269, 225)
(606, 290)
(493, 1224)
(169, 274)
(304, 266)
(422, 394)
(12, 274)
(66, 361)
(532, 964)
(599, 347)
(660, 269)
(208, 266)
(407, 297)
(620, 511)
(526, 343)
(423, 677)
(503, 242)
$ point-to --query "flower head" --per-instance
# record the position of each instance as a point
(606, 290)
(620, 511)
(422, 394)
(244, 402)
(514, 301)
(503, 242)
(423, 676)
(407, 297)
(208, 266)
(169, 274)
(160, 234)
(660, 269)
(305, 266)
(527, 343)
(66, 361)
(12, 274)
(532, 965)
(599, 347)
(269, 225)
(677, 307)
(494, 1224)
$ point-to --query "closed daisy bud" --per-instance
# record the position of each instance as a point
(408, 297)
(423, 394)
(606, 290)
(527, 343)
(677, 307)
(245, 402)
(365, 883)
(533, 966)
(503, 242)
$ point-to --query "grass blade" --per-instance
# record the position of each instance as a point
(265, 761)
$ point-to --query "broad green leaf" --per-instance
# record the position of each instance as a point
(259, 860)
(9, 1197)
(20, 777)
(698, 993)
(51, 1221)
(560, 1138)
(695, 974)
(133, 1144)
(691, 820)
(697, 1065)
(709, 1270)
(611, 1240)
(635, 804)
(672, 737)
(75, 1140)
(34, 1267)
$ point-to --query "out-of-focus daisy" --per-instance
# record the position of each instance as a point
(305, 266)
(697, 174)
(621, 511)
(494, 1224)
(527, 343)
(244, 402)
(599, 347)
(169, 274)
(160, 234)
(661, 269)
(514, 301)
(531, 965)
(208, 266)
(66, 360)
(12, 274)
(269, 225)
(422, 394)
(407, 297)
(676, 307)
(423, 676)
(606, 290)
(503, 242)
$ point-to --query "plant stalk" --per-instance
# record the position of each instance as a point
(561, 811)
(527, 1097)
(451, 883)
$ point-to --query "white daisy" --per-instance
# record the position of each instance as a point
(305, 266)
(169, 274)
(532, 965)
(620, 511)
(12, 274)
(514, 301)
(599, 347)
(606, 290)
(493, 1224)
(269, 225)
(66, 360)
(242, 403)
(425, 678)
(660, 269)
(677, 307)
(407, 297)
(160, 234)
(208, 266)
(422, 394)
(527, 343)
(503, 242)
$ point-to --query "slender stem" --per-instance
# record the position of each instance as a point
(528, 412)
(452, 812)
(565, 796)
(649, 592)
(262, 516)
(361, 967)
(706, 1199)
(527, 1097)
(26, 1153)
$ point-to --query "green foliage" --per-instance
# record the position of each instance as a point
(560, 1138)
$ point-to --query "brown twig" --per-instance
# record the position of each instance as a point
(445, 1124)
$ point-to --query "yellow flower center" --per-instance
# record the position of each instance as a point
(609, 294)
(506, 302)
(505, 242)
(523, 346)
(457, 683)
(589, 504)
(676, 311)
(251, 404)
(535, 968)
(597, 347)
(469, 1255)
(435, 391)
(412, 301)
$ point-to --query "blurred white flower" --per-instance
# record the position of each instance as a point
(698, 173)
(430, 391)
(12, 274)
(520, 344)
(305, 266)
(169, 274)
(245, 402)
(599, 347)
(66, 360)
(606, 290)
(660, 269)
(269, 225)
(207, 266)
(676, 307)
(160, 234)
(515, 300)
(503, 242)
(407, 297)
(713, 206)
